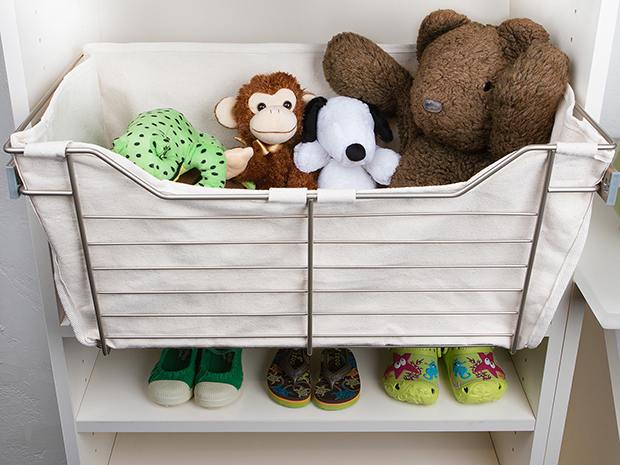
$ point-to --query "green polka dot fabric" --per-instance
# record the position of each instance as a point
(165, 144)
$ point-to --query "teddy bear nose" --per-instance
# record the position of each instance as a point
(355, 152)
(432, 106)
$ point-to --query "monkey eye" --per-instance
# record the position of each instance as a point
(288, 105)
(487, 86)
(261, 106)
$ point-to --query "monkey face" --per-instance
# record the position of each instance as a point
(269, 108)
(274, 121)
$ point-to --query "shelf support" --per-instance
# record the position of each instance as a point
(310, 271)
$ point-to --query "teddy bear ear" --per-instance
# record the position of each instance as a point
(436, 24)
(516, 35)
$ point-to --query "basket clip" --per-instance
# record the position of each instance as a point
(610, 183)
(14, 183)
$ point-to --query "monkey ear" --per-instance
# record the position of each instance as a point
(311, 116)
(382, 126)
(224, 113)
(307, 97)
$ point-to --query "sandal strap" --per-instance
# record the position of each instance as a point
(294, 373)
(334, 376)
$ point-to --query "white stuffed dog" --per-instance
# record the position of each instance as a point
(339, 137)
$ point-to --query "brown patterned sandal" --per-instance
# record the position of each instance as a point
(288, 379)
(339, 383)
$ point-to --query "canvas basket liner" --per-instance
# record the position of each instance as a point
(172, 271)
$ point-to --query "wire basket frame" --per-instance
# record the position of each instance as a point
(310, 267)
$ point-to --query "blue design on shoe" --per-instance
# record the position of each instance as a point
(279, 390)
(459, 370)
(431, 372)
(346, 394)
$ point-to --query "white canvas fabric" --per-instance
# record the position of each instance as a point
(232, 272)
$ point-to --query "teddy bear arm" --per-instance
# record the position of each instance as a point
(526, 98)
(383, 165)
(356, 67)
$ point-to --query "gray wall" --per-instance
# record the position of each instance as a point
(29, 422)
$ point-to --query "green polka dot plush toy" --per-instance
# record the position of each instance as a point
(165, 144)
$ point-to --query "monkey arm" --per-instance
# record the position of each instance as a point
(310, 156)
(237, 160)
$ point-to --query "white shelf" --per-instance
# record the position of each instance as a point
(595, 275)
(328, 448)
(116, 400)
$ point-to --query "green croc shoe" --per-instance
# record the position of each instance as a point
(412, 376)
(474, 375)
(219, 377)
(339, 382)
(172, 379)
(288, 379)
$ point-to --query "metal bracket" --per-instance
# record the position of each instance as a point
(610, 183)
(14, 182)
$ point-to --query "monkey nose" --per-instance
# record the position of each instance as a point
(432, 106)
(355, 152)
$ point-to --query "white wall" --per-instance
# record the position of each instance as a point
(52, 32)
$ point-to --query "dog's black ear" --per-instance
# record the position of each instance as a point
(311, 115)
(382, 127)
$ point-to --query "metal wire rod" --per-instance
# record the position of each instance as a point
(317, 242)
(316, 336)
(218, 243)
(304, 267)
(530, 268)
(314, 313)
(83, 238)
(302, 291)
(340, 215)
(199, 268)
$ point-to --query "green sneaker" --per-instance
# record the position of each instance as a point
(474, 375)
(172, 379)
(219, 377)
(412, 376)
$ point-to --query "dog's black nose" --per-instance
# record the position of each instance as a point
(355, 152)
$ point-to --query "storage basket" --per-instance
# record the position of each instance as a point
(146, 263)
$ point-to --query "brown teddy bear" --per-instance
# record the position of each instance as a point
(479, 93)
